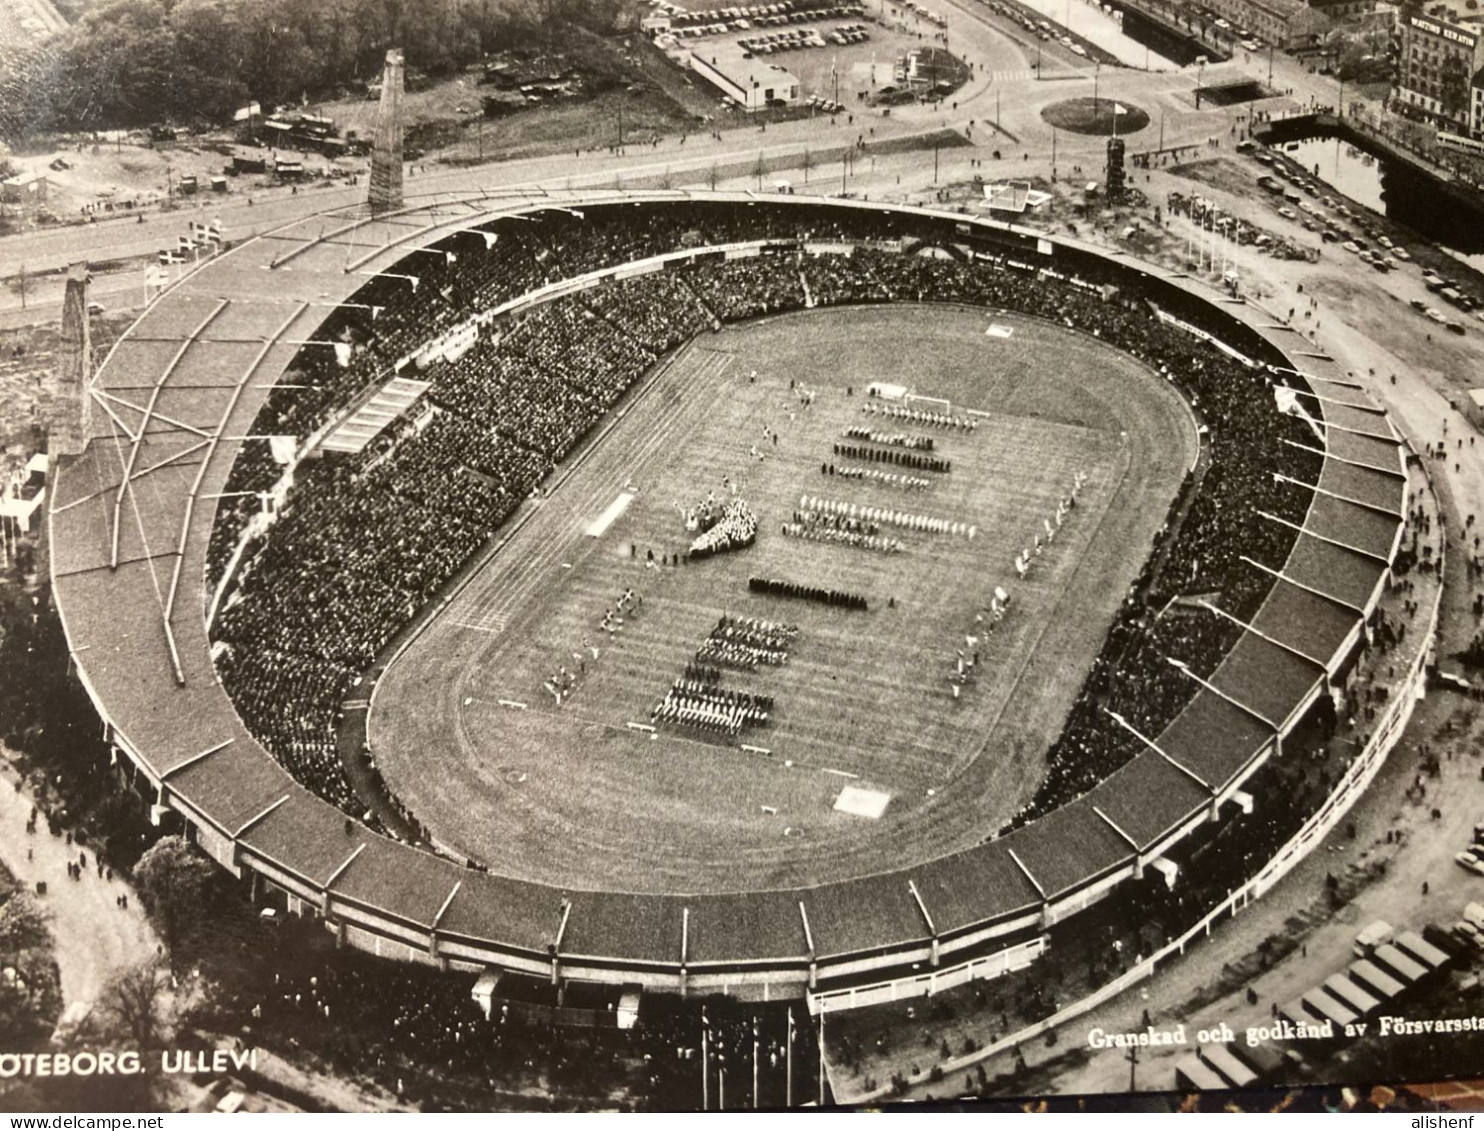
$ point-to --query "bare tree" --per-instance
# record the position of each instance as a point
(132, 1005)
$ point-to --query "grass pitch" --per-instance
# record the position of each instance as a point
(571, 794)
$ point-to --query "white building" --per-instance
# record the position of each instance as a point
(749, 82)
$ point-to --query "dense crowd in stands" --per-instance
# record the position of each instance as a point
(364, 541)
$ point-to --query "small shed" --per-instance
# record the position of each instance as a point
(1474, 407)
(24, 189)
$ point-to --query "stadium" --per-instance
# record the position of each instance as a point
(430, 486)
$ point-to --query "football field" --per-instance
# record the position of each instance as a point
(577, 791)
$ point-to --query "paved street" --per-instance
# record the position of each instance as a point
(94, 937)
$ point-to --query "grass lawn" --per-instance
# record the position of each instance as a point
(571, 794)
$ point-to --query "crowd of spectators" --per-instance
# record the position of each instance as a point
(254, 472)
(418, 1033)
(365, 541)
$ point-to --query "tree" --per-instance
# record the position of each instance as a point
(177, 886)
(132, 1006)
(22, 925)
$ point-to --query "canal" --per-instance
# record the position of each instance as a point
(1394, 189)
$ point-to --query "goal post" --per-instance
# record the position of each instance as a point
(1009, 196)
(940, 404)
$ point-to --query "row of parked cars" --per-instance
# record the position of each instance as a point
(801, 38)
(719, 21)
(1042, 29)
(1471, 859)
(1366, 241)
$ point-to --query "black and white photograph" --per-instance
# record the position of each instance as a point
(573, 556)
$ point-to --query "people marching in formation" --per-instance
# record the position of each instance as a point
(743, 644)
(703, 706)
(562, 682)
(359, 543)
(704, 515)
(920, 416)
(966, 658)
(897, 456)
(699, 701)
(890, 439)
(854, 531)
(1064, 507)
(773, 588)
(873, 475)
(833, 508)
(734, 529)
(613, 618)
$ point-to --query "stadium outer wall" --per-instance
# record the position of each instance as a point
(242, 809)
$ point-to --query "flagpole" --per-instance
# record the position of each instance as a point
(788, 1069)
(754, 1064)
(705, 1066)
(821, 1057)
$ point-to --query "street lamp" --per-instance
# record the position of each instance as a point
(1200, 71)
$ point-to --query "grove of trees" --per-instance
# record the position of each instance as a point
(135, 62)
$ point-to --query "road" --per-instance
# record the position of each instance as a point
(1364, 320)
(1003, 88)
(93, 936)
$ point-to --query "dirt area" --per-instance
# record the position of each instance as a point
(123, 174)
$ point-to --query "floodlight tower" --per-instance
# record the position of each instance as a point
(386, 152)
(72, 426)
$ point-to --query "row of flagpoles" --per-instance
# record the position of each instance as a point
(202, 236)
(721, 1078)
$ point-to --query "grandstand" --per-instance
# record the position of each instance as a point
(219, 645)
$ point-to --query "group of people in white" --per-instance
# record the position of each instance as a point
(703, 706)
(1064, 507)
(886, 516)
(873, 475)
(920, 416)
(735, 528)
(891, 439)
(699, 701)
(562, 682)
(966, 658)
(745, 642)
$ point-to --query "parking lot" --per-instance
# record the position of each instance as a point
(841, 54)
